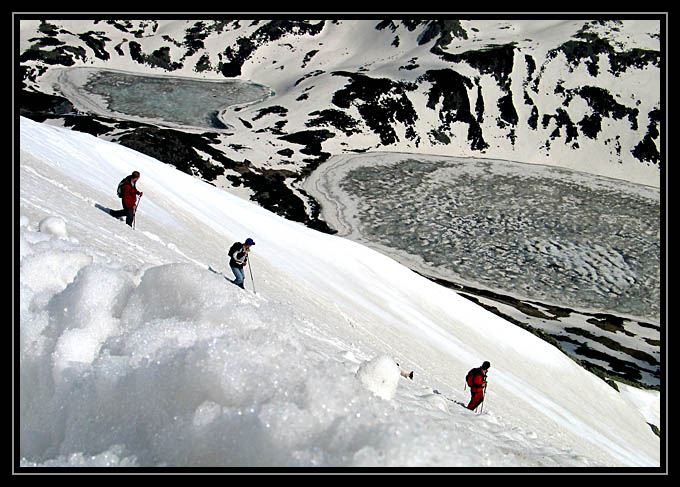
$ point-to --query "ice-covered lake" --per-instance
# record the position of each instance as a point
(169, 100)
(529, 231)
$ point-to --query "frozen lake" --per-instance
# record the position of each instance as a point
(168, 100)
(533, 232)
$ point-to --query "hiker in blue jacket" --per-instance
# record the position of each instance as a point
(238, 259)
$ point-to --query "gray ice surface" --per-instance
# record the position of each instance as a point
(171, 100)
(530, 231)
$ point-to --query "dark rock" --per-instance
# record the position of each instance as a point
(334, 118)
(450, 89)
(381, 102)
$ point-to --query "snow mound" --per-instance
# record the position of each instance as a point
(119, 364)
(55, 226)
(380, 376)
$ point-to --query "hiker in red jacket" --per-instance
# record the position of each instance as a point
(127, 191)
(476, 379)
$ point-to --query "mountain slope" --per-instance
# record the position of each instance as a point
(133, 353)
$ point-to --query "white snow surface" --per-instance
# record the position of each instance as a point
(133, 353)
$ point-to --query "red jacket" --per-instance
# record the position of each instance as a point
(129, 193)
(477, 380)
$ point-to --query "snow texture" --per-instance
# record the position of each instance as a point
(135, 350)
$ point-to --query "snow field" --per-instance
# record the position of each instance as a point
(133, 353)
(184, 368)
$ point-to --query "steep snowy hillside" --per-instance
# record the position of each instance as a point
(574, 93)
(133, 353)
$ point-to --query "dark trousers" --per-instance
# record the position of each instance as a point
(128, 213)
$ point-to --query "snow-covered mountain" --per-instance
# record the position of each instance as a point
(575, 93)
(134, 351)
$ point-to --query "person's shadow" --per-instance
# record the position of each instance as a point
(104, 209)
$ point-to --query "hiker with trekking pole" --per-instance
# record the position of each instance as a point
(127, 192)
(238, 259)
(476, 379)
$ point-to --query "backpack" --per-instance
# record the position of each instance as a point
(119, 191)
(233, 261)
(469, 378)
(234, 248)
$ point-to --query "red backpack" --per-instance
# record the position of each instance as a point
(470, 377)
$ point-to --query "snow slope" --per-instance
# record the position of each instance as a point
(133, 353)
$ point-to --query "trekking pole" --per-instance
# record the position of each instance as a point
(134, 216)
(250, 268)
(483, 399)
